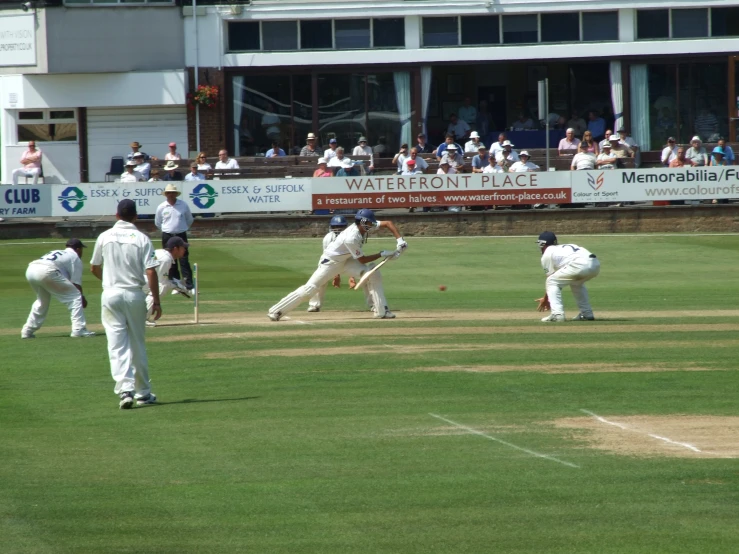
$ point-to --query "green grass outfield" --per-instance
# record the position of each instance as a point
(463, 426)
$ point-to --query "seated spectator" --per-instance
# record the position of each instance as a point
(473, 144)
(410, 168)
(509, 153)
(454, 158)
(606, 139)
(577, 124)
(224, 162)
(669, 152)
(422, 146)
(129, 174)
(344, 165)
(718, 157)
(134, 149)
(592, 145)
(400, 158)
(444, 145)
(680, 159)
(458, 128)
(380, 149)
(606, 159)
(194, 174)
(524, 164)
(271, 124)
(155, 176)
(420, 162)
(310, 148)
(568, 146)
(445, 168)
(482, 160)
(583, 159)
(142, 167)
(500, 165)
(628, 141)
(330, 152)
(618, 148)
(728, 152)
(467, 112)
(596, 125)
(172, 154)
(362, 149)
(31, 160)
(275, 151)
(203, 165)
(523, 123)
(171, 173)
(322, 170)
(706, 125)
(697, 152)
(498, 146)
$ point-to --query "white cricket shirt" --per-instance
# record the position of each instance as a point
(66, 261)
(165, 262)
(173, 219)
(557, 256)
(125, 254)
(348, 243)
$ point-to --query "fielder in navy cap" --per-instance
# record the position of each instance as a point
(127, 210)
(75, 243)
(174, 242)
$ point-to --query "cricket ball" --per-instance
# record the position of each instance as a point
(442, 287)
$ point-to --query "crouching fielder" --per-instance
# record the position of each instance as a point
(176, 249)
(344, 255)
(566, 264)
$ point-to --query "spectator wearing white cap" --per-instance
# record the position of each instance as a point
(445, 168)
(322, 170)
(697, 152)
(631, 144)
(130, 175)
(142, 166)
(310, 148)
(568, 146)
(618, 148)
(172, 154)
(474, 142)
(606, 159)
(509, 153)
(410, 168)
(330, 152)
(524, 165)
(583, 159)
(454, 158)
(482, 160)
(669, 152)
(363, 149)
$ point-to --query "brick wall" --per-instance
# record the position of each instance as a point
(213, 126)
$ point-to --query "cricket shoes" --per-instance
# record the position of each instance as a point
(27, 333)
(553, 318)
(583, 317)
(275, 317)
(150, 398)
(126, 402)
(82, 333)
(387, 315)
(151, 323)
(314, 309)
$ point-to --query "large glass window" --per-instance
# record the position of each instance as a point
(725, 22)
(302, 112)
(662, 80)
(279, 35)
(440, 31)
(599, 26)
(243, 36)
(560, 27)
(520, 29)
(341, 109)
(316, 34)
(388, 33)
(47, 126)
(482, 29)
(261, 113)
(352, 33)
(651, 24)
(690, 23)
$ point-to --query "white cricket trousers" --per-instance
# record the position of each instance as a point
(164, 288)
(20, 172)
(47, 281)
(124, 317)
(575, 274)
(317, 300)
(325, 272)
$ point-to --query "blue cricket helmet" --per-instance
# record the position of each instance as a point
(547, 238)
(338, 224)
(366, 218)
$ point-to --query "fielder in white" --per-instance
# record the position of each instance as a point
(566, 264)
(127, 254)
(176, 249)
(344, 255)
(58, 274)
(336, 227)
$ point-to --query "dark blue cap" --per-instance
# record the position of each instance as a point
(127, 207)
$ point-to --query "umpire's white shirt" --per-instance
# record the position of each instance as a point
(66, 261)
(173, 219)
(127, 253)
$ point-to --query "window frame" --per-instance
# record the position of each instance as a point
(45, 120)
(582, 26)
(579, 28)
(670, 34)
(459, 30)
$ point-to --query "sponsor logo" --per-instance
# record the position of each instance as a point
(72, 199)
(596, 182)
(203, 196)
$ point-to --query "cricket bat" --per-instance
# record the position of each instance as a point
(369, 273)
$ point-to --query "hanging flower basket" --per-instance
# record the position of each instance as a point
(204, 95)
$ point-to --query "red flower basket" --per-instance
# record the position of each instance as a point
(204, 95)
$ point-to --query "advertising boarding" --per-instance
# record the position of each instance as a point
(25, 201)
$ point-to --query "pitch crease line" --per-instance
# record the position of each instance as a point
(501, 441)
(624, 427)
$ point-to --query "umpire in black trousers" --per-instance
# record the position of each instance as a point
(173, 219)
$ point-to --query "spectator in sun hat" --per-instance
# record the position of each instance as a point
(453, 157)
(363, 149)
(172, 154)
(445, 168)
(697, 152)
(524, 164)
(473, 144)
(171, 173)
(669, 152)
(509, 153)
(728, 152)
(310, 149)
(322, 170)
(130, 175)
(142, 167)
(482, 160)
(718, 157)
(330, 152)
(135, 147)
(606, 159)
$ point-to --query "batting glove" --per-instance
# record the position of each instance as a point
(388, 253)
(402, 245)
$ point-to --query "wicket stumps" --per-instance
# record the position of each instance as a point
(196, 291)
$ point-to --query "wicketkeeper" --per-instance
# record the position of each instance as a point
(176, 249)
